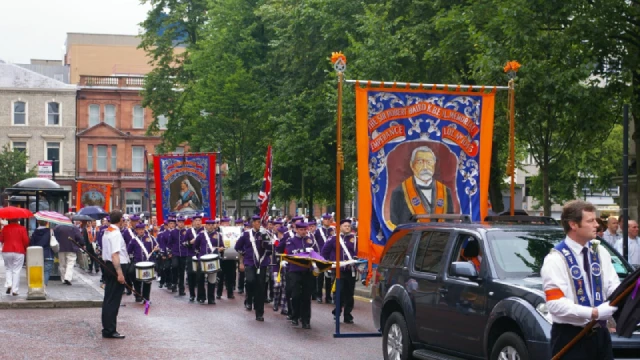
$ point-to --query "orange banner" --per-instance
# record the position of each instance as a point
(92, 194)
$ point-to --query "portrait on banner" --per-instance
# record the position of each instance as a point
(423, 152)
(93, 194)
(186, 194)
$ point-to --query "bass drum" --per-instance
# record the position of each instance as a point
(230, 235)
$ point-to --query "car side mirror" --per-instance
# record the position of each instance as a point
(463, 269)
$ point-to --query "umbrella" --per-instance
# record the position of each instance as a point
(12, 212)
(628, 315)
(81, 218)
(94, 212)
(53, 217)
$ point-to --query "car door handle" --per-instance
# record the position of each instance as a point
(443, 291)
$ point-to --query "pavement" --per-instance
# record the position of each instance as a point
(85, 291)
(178, 329)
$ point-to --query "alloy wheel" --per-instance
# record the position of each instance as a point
(394, 343)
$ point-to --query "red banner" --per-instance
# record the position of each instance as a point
(93, 194)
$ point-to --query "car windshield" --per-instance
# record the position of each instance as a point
(519, 254)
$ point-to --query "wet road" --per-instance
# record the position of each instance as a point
(177, 329)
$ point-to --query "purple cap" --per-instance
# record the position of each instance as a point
(134, 218)
(171, 219)
(255, 217)
(281, 229)
(181, 218)
(327, 216)
(108, 218)
(197, 216)
(312, 222)
(140, 226)
(302, 225)
(210, 222)
(277, 222)
(345, 221)
(225, 219)
(297, 218)
(247, 224)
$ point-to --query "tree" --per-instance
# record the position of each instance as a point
(13, 167)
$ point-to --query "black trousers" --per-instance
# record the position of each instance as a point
(208, 291)
(92, 263)
(143, 288)
(301, 284)
(323, 282)
(255, 288)
(595, 345)
(227, 277)
(268, 287)
(241, 280)
(166, 275)
(180, 264)
(347, 290)
(112, 298)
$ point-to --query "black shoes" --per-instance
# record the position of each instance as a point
(275, 307)
(306, 326)
(259, 318)
(247, 306)
(289, 317)
(192, 298)
(319, 300)
(182, 293)
(348, 321)
(240, 292)
(268, 300)
(294, 322)
(128, 290)
(160, 285)
(67, 282)
(138, 299)
(218, 297)
(231, 297)
(212, 302)
(201, 301)
(114, 335)
(8, 291)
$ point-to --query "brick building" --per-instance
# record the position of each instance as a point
(111, 138)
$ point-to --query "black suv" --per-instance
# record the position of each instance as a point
(472, 291)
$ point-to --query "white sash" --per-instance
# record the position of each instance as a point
(346, 250)
(255, 251)
(206, 236)
(144, 249)
(315, 243)
(324, 237)
(290, 233)
(131, 233)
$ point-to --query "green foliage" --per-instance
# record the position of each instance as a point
(12, 167)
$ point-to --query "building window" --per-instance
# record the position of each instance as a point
(162, 122)
(110, 115)
(114, 159)
(94, 115)
(19, 146)
(53, 113)
(102, 158)
(138, 117)
(19, 113)
(53, 153)
(137, 162)
(90, 158)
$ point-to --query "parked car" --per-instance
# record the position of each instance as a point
(471, 291)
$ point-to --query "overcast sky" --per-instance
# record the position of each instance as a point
(37, 29)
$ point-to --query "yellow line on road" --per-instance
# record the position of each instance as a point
(361, 298)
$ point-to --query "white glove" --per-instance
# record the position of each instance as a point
(605, 311)
(309, 249)
(284, 263)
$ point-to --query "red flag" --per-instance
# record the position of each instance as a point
(265, 191)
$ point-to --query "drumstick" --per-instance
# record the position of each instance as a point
(104, 266)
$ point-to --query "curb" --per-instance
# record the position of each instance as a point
(50, 304)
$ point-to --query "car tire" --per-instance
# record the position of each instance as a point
(396, 344)
(509, 346)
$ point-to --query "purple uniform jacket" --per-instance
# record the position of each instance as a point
(126, 235)
(136, 252)
(202, 247)
(99, 236)
(176, 242)
(243, 245)
(328, 233)
(329, 249)
(296, 245)
(163, 241)
(191, 249)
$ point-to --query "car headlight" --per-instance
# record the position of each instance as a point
(544, 312)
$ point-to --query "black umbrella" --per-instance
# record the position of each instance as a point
(82, 218)
(94, 212)
(628, 315)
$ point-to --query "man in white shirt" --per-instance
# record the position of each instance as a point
(114, 254)
(579, 263)
(611, 234)
(634, 246)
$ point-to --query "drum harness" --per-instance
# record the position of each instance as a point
(255, 251)
(144, 249)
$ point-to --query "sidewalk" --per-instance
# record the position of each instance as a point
(85, 292)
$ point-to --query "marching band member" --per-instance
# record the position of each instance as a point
(127, 235)
(207, 242)
(190, 239)
(347, 273)
(322, 235)
(300, 279)
(241, 275)
(227, 276)
(179, 255)
(268, 289)
(254, 247)
(141, 248)
(164, 256)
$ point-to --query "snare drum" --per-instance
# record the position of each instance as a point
(230, 235)
(210, 263)
(145, 271)
(194, 264)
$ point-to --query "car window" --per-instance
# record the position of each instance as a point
(465, 250)
(519, 254)
(433, 245)
(395, 254)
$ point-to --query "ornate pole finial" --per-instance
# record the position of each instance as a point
(339, 61)
(511, 68)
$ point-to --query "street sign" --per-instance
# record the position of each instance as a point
(45, 169)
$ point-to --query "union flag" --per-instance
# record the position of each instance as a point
(265, 190)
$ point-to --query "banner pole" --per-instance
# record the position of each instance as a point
(512, 147)
(422, 85)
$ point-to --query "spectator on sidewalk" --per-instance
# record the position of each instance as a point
(15, 242)
(68, 250)
(42, 237)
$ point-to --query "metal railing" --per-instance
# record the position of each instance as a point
(112, 81)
